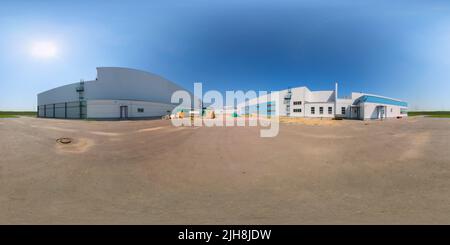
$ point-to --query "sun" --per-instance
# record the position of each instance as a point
(44, 49)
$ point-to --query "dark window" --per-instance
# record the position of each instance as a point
(313, 110)
(343, 110)
(140, 110)
(321, 110)
(297, 103)
(330, 110)
(297, 110)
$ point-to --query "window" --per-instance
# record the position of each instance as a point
(313, 110)
(297, 110)
(343, 110)
(140, 109)
(403, 111)
(330, 110)
(297, 103)
(321, 110)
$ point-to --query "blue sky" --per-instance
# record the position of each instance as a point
(399, 49)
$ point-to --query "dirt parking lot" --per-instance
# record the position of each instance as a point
(149, 172)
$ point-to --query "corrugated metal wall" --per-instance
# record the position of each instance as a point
(74, 110)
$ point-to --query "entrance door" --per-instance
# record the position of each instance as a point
(354, 112)
(123, 112)
(381, 112)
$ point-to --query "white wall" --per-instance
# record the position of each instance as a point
(391, 111)
(317, 99)
(322, 96)
(115, 83)
(317, 110)
(129, 84)
(308, 99)
(66, 93)
(346, 103)
(111, 108)
(298, 94)
(326, 99)
(137, 89)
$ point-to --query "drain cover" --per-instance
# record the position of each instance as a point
(64, 140)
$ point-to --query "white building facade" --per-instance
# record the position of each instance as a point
(116, 93)
(302, 102)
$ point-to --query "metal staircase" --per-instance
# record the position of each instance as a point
(287, 101)
(82, 102)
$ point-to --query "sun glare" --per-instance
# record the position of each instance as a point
(44, 50)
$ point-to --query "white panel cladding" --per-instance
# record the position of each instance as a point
(298, 100)
(302, 100)
(61, 94)
(115, 83)
(307, 98)
(375, 111)
(343, 103)
(150, 92)
(108, 109)
(322, 96)
(317, 111)
(129, 84)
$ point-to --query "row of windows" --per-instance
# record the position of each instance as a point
(313, 110)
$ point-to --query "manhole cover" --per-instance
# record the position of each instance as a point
(64, 140)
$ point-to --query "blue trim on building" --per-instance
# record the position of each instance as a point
(376, 99)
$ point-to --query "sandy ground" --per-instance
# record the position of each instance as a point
(149, 172)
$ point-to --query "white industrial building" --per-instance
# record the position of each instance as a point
(115, 93)
(121, 93)
(302, 102)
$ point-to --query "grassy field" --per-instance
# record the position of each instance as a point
(440, 114)
(12, 114)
